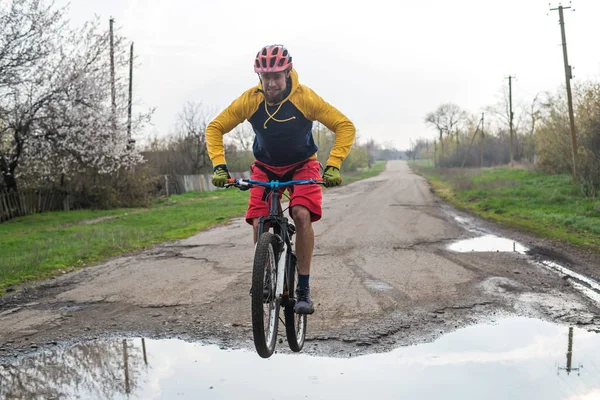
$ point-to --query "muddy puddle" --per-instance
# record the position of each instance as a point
(486, 242)
(514, 358)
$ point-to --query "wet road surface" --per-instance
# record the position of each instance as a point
(393, 266)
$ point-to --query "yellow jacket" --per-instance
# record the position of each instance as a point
(283, 131)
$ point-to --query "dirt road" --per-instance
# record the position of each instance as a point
(382, 276)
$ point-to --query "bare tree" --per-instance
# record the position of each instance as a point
(191, 125)
(531, 115)
(500, 111)
(242, 137)
(447, 118)
(534, 113)
(434, 119)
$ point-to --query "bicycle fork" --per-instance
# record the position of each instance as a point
(281, 271)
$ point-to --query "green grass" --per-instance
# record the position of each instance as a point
(422, 162)
(54, 220)
(547, 205)
(35, 246)
(44, 245)
(375, 170)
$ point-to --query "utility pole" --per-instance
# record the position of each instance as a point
(113, 93)
(510, 117)
(568, 77)
(130, 93)
(481, 143)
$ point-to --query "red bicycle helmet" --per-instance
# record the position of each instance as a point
(272, 58)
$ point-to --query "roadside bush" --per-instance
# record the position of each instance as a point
(357, 158)
(588, 112)
(553, 137)
(240, 161)
(126, 188)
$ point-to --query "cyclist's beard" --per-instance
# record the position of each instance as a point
(278, 98)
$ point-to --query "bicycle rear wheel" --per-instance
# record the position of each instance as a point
(295, 324)
(265, 305)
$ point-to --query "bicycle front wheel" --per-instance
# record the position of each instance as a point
(295, 324)
(265, 304)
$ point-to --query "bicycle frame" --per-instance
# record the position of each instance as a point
(281, 227)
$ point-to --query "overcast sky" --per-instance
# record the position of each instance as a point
(384, 64)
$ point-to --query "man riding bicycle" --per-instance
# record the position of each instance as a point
(281, 112)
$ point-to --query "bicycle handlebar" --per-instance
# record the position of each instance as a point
(247, 183)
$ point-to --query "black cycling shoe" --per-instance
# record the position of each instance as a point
(304, 304)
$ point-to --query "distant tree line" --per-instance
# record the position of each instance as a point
(541, 135)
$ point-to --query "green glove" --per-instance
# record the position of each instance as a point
(220, 175)
(331, 176)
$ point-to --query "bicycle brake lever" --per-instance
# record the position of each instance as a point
(243, 185)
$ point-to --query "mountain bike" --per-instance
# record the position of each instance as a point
(274, 272)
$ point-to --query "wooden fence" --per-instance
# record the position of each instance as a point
(20, 203)
(178, 184)
(17, 204)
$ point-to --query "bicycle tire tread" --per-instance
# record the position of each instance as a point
(261, 255)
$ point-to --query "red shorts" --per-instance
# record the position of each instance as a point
(309, 196)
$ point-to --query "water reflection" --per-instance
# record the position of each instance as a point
(86, 370)
(514, 358)
(569, 366)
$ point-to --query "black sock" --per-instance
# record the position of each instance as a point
(303, 281)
